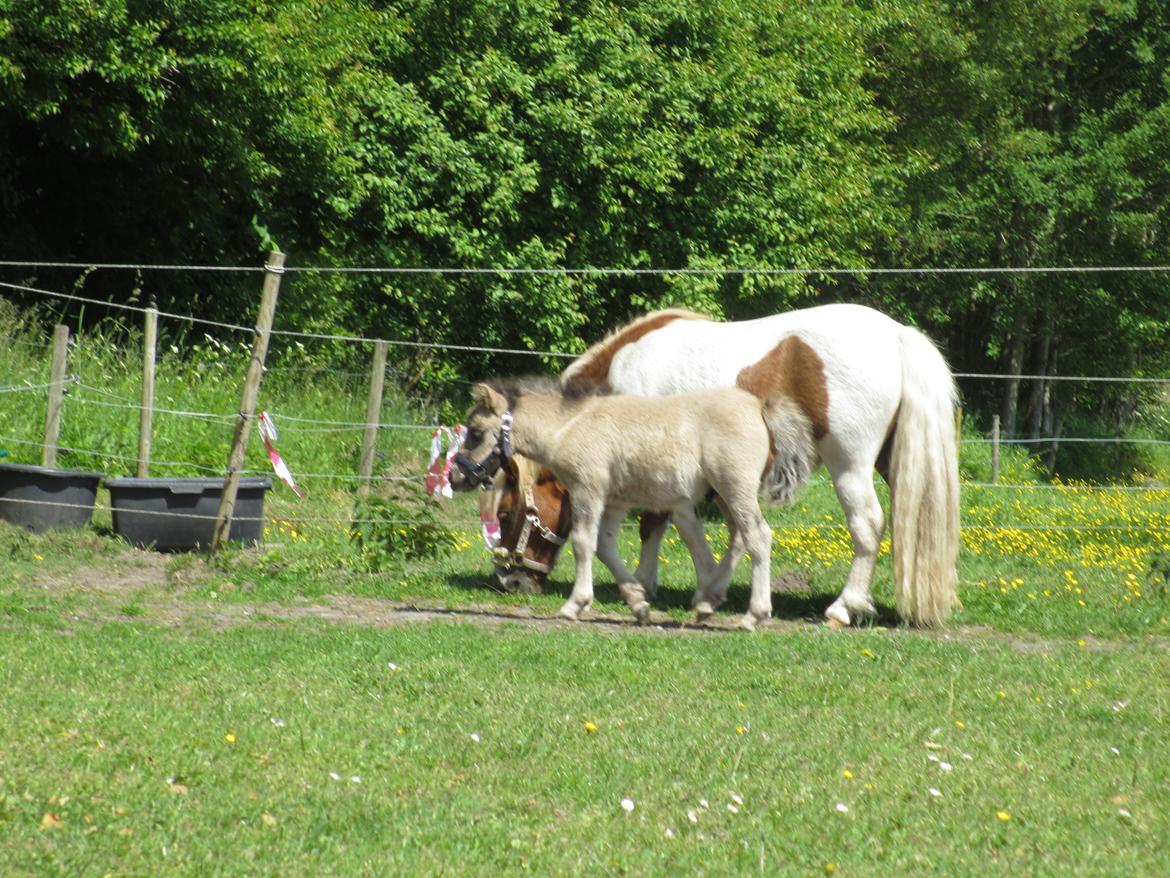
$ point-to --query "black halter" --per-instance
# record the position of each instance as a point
(484, 472)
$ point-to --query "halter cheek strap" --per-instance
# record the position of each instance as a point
(506, 560)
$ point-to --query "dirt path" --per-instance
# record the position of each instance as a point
(150, 588)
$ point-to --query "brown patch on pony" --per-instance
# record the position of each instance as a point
(792, 369)
(592, 369)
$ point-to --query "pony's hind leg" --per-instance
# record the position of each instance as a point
(863, 514)
(628, 585)
(651, 528)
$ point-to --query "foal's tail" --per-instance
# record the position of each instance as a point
(794, 452)
(924, 486)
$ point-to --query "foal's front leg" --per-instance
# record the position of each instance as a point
(586, 518)
(630, 587)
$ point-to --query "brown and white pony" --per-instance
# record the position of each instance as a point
(877, 393)
(666, 453)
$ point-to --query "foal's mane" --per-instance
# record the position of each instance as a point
(513, 388)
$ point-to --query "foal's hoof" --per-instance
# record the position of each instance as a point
(642, 613)
(750, 621)
(571, 612)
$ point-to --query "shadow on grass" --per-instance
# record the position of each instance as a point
(807, 606)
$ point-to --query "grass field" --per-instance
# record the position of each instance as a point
(324, 705)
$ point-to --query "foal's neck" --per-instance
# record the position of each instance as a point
(537, 418)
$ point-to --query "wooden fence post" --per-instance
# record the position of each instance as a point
(373, 413)
(995, 449)
(273, 269)
(56, 395)
(146, 410)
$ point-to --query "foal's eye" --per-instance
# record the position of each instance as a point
(473, 436)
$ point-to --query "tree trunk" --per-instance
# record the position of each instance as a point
(1011, 386)
(1038, 398)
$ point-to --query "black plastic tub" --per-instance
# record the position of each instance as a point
(40, 498)
(175, 515)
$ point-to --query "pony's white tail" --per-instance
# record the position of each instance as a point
(924, 486)
(794, 452)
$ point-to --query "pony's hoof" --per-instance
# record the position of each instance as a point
(571, 612)
(704, 611)
(642, 613)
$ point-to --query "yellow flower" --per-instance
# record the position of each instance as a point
(740, 730)
(230, 737)
(847, 774)
(1003, 815)
(591, 728)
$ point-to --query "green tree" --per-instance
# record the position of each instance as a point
(1031, 136)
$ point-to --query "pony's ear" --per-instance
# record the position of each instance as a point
(489, 398)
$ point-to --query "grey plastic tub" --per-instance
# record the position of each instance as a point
(40, 498)
(175, 515)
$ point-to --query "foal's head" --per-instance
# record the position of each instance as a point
(488, 443)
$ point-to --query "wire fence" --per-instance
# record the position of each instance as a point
(90, 394)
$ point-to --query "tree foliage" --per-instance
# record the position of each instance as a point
(496, 135)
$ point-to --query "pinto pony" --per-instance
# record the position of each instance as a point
(877, 393)
(664, 453)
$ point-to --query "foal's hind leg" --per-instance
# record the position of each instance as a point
(757, 540)
(863, 513)
(713, 591)
(627, 583)
(690, 528)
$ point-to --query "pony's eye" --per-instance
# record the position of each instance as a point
(473, 436)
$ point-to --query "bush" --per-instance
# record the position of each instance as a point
(389, 529)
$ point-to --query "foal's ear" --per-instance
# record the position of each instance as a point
(489, 398)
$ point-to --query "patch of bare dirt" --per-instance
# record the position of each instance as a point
(150, 585)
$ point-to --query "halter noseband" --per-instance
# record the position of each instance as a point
(484, 472)
(508, 561)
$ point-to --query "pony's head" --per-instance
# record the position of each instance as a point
(534, 513)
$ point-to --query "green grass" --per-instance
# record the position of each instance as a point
(449, 749)
(199, 716)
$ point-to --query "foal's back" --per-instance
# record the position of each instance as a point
(659, 452)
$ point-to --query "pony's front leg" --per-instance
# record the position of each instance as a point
(584, 536)
(651, 528)
(629, 586)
